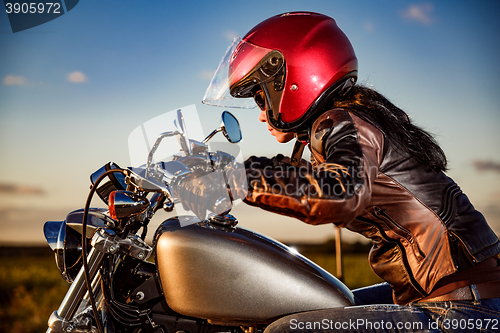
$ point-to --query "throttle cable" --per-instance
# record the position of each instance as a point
(84, 243)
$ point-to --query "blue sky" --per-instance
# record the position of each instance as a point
(73, 89)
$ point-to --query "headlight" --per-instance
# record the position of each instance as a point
(65, 238)
(66, 244)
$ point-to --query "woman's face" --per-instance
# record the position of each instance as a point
(280, 136)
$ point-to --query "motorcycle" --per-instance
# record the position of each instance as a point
(208, 274)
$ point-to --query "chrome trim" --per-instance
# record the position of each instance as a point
(95, 284)
(57, 323)
(184, 137)
(230, 125)
(51, 230)
(78, 288)
(155, 147)
(62, 319)
(171, 170)
(223, 128)
(215, 131)
(105, 241)
(198, 147)
(223, 220)
(97, 218)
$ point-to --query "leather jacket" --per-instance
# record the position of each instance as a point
(422, 226)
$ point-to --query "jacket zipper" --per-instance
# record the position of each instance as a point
(456, 238)
(407, 234)
(413, 281)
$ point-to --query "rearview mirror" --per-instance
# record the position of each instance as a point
(230, 127)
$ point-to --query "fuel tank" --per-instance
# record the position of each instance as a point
(236, 276)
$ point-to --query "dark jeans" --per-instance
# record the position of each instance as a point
(375, 312)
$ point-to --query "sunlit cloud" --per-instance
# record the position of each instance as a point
(23, 225)
(206, 74)
(487, 166)
(10, 189)
(14, 80)
(419, 12)
(230, 35)
(77, 77)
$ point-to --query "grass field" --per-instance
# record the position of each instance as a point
(357, 272)
(31, 287)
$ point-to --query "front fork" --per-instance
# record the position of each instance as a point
(77, 298)
(73, 313)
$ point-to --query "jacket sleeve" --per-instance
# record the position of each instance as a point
(347, 152)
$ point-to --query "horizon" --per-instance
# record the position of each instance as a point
(73, 89)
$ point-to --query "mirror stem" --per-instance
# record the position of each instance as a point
(212, 134)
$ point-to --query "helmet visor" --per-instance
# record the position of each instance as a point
(240, 74)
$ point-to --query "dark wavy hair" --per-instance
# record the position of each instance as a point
(396, 126)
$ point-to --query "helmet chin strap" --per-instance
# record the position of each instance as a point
(298, 148)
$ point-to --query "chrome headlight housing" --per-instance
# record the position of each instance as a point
(65, 238)
(66, 244)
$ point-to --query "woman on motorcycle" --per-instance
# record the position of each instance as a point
(372, 171)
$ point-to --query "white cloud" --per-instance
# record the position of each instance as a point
(230, 35)
(206, 74)
(10, 189)
(419, 12)
(14, 80)
(487, 165)
(77, 77)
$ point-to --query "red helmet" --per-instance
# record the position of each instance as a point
(292, 64)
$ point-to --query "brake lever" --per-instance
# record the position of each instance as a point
(141, 184)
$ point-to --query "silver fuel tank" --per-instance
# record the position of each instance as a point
(236, 276)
